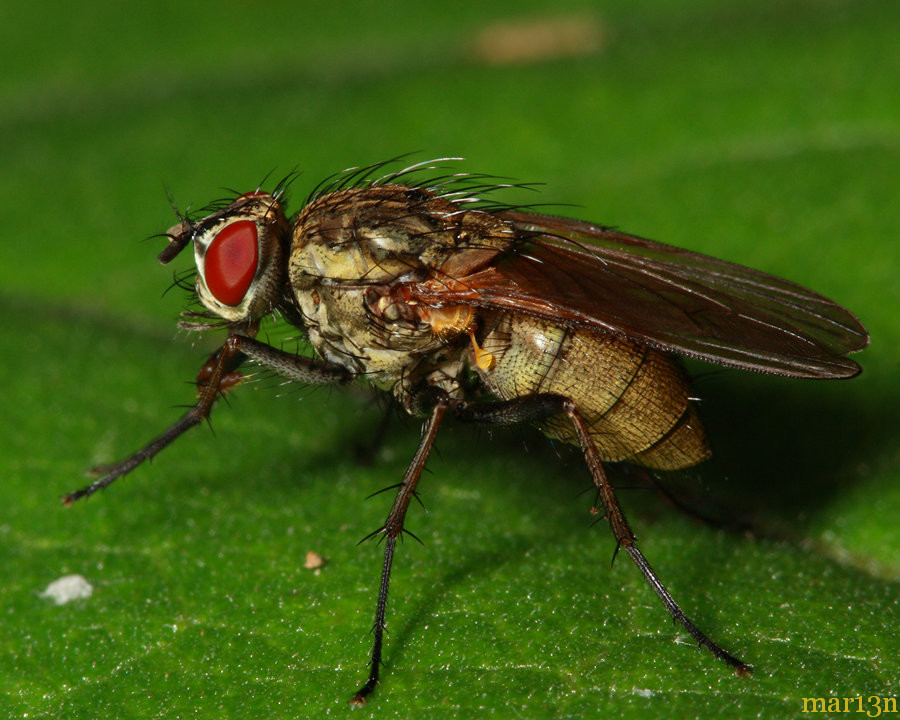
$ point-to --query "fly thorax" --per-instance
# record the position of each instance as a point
(383, 235)
(345, 327)
(353, 249)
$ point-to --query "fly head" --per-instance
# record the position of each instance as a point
(240, 253)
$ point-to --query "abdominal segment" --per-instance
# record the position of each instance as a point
(634, 398)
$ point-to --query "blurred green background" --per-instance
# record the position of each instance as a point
(763, 131)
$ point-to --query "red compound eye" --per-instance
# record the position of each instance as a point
(230, 262)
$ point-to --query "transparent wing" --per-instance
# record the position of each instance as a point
(579, 274)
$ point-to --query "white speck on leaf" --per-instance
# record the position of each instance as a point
(68, 588)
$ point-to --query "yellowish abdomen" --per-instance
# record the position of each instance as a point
(635, 399)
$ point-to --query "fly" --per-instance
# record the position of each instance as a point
(495, 315)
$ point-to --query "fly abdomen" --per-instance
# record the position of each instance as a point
(634, 398)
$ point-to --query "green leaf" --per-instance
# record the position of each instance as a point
(762, 132)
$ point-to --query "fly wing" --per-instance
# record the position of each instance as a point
(578, 274)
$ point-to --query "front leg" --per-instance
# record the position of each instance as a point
(215, 377)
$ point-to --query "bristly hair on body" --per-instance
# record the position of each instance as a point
(470, 191)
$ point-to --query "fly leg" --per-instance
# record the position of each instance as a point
(391, 530)
(231, 374)
(625, 538)
(531, 408)
(725, 519)
(216, 376)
